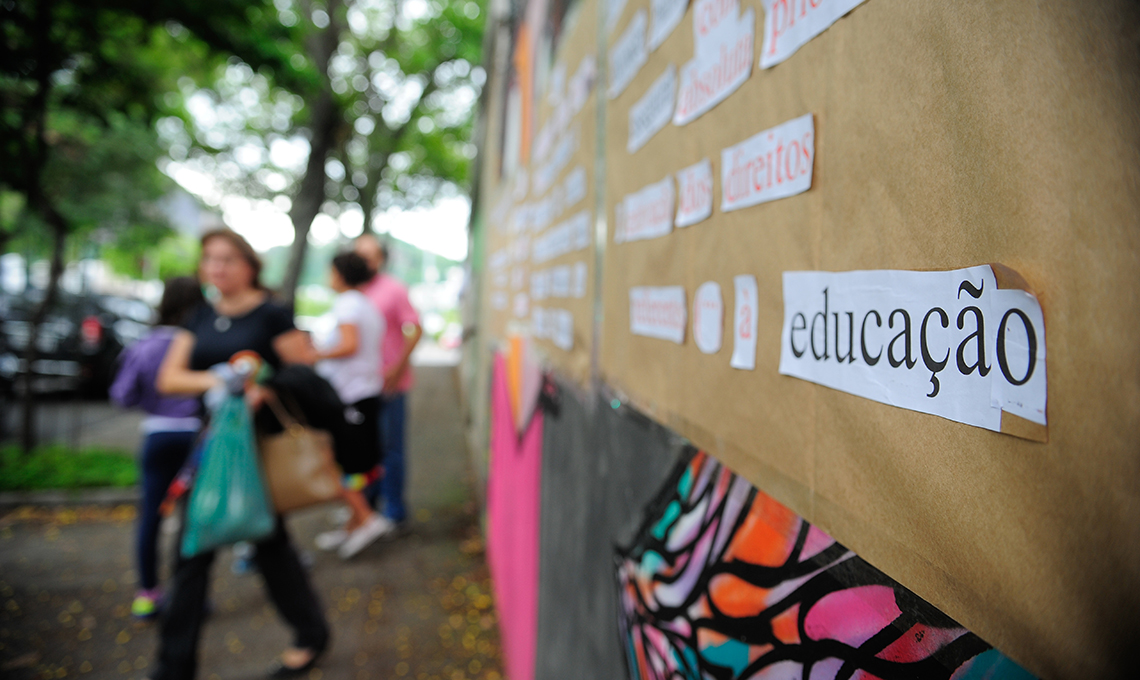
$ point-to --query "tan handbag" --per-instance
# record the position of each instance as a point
(299, 465)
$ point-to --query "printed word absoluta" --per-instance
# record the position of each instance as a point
(722, 57)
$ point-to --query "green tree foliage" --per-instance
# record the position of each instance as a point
(388, 124)
(81, 84)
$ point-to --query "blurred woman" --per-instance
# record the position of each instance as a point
(170, 428)
(348, 356)
(242, 317)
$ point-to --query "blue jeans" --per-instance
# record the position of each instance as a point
(163, 454)
(390, 488)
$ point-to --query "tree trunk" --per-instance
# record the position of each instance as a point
(59, 229)
(325, 124)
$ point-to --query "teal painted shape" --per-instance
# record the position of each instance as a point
(731, 654)
(672, 512)
(686, 483)
(992, 665)
(651, 562)
(691, 665)
(634, 673)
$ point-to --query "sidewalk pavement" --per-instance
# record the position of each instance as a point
(418, 606)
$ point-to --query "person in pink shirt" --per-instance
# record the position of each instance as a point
(403, 331)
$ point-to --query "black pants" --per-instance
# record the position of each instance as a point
(288, 587)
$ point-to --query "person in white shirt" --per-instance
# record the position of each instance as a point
(347, 347)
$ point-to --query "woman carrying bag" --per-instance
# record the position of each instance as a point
(242, 318)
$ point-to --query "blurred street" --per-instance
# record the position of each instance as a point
(417, 606)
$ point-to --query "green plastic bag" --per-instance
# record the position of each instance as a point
(229, 502)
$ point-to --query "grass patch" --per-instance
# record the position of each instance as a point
(59, 467)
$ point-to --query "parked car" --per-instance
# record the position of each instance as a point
(79, 340)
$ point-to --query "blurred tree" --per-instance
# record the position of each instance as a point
(81, 84)
(387, 125)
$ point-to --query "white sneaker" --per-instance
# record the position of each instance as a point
(364, 535)
(330, 540)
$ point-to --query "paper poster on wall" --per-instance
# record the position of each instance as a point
(744, 323)
(723, 41)
(664, 15)
(614, 8)
(694, 194)
(790, 24)
(566, 237)
(645, 214)
(628, 55)
(776, 163)
(708, 317)
(573, 188)
(581, 271)
(947, 343)
(653, 111)
(658, 312)
(556, 325)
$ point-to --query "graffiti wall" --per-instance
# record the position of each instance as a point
(724, 582)
(876, 257)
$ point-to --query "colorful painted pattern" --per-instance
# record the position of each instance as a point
(723, 582)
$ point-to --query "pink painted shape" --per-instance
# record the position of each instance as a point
(919, 642)
(816, 542)
(514, 481)
(852, 616)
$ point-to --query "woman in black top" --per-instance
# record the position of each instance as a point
(241, 318)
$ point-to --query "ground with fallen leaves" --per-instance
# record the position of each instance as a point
(418, 606)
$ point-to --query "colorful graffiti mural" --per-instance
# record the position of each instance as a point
(725, 583)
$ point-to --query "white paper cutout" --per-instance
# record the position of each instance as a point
(560, 281)
(913, 340)
(565, 237)
(645, 214)
(573, 188)
(653, 111)
(563, 335)
(628, 55)
(557, 87)
(580, 274)
(614, 8)
(776, 163)
(499, 300)
(708, 317)
(694, 194)
(522, 305)
(744, 323)
(540, 285)
(658, 312)
(790, 24)
(664, 15)
(723, 42)
(556, 325)
(546, 174)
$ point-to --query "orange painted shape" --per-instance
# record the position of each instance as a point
(767, 535)
(757, 651)
(736, 597)
(784, 625)
(514, 375)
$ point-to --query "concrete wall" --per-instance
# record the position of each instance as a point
(601, 466)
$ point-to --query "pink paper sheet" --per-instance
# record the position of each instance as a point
(513, 487)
